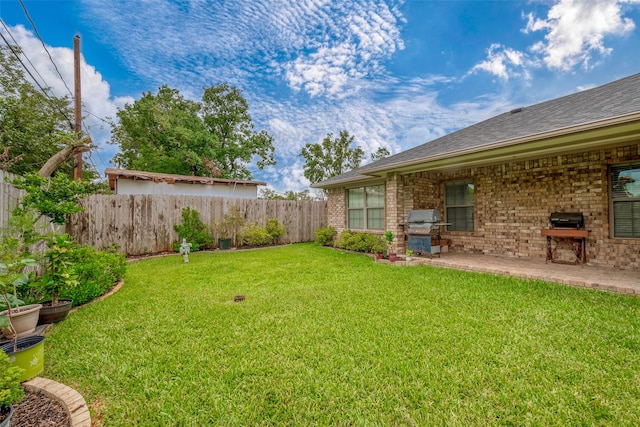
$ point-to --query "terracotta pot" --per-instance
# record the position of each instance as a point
(393, 257)
(54, 313)
(24, 320)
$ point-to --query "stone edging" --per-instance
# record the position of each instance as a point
(70, 399)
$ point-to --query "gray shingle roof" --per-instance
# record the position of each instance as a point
(614, 99)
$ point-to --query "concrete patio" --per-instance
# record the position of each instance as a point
(603, 278)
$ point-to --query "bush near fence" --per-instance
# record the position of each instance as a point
(143, 224)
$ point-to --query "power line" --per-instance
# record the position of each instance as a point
(23, 53)
(26, 12)
(44, 91)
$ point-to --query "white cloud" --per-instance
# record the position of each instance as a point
(575, 32)
(503, 62)
(97, 102)
(362, 37)
(576, 29)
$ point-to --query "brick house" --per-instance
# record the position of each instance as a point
(497, 181)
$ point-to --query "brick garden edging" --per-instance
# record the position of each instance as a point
(70, 399)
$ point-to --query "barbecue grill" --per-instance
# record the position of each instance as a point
(566, 235)
(423, 233)
(567, 220)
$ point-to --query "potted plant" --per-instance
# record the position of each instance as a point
(10, 391)
(60, 276)
(379, 247)
(389, 237)
(16, 320)
(26, 352)
(227, 229)
(409, 255)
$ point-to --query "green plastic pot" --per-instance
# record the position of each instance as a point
(30, 355)
(224, 244)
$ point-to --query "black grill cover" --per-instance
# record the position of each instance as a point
(567, 220)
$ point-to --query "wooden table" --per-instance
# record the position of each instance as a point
(577, 242)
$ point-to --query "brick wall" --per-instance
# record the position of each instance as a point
(513, 202)
(337, 209)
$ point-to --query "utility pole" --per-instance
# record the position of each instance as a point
(77, 105)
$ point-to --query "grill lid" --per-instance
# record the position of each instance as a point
(567, 219)
(422, 216)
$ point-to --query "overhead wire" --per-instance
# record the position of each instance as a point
(35, 29)
(23, 53)
(42, 89)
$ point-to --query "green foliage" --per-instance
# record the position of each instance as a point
(358, 242)
(255, 235)
(33, 127)
(168, 133)
(10, 390)
(54, 197)
(381, 153)
(194, 230)
(269, 194)
(331, 157)
(275, 230)
(325, 236)
(230, 225)
(60, 275)
(97, 272)
(356, 343)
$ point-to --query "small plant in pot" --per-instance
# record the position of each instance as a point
(10, 391)
(409, 255)
(379, 247)
(228, 228)
(16, 319)
(389, 237)
(60, 276)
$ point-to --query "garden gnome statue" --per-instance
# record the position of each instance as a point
(185, 248)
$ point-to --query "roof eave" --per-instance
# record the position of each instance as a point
(555, 135)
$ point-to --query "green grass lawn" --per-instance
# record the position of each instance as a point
(329, 338)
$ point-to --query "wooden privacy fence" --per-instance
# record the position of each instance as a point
(9, 197)
(143, 224)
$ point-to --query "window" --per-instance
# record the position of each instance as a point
(458, 200)
(365, 208)
(625, 199)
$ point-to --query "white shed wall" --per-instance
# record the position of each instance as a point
(129, 186)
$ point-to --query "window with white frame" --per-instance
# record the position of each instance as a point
(459, 199)
(624, 184)
(365, 208)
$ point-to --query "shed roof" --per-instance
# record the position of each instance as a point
(114, 174)
(615, 103)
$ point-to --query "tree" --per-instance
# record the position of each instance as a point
(226, 115)
(269, 194)
(333, 156)
(168, 133)
(34, 127)
(380, 153)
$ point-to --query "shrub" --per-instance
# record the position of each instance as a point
(98, 271)
(275, 229)
(358, 242)
(325, 236)
(193, 230)
(10, 391)
(254, 235)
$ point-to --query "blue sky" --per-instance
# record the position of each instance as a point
(393, 73)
